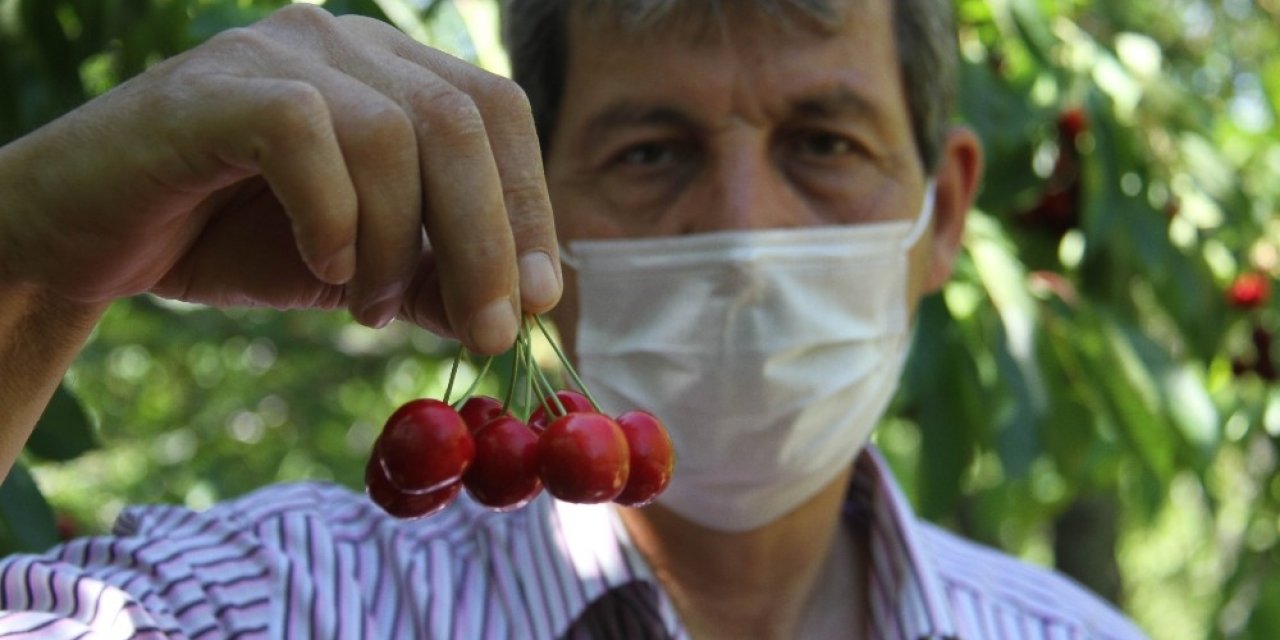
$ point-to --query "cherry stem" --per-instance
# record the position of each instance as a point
(567, 365)
(474, 383)
(520, 363)
(546, 390)
(511, 383)
(528, 392)
(453, 373)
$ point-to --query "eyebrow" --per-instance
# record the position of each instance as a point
(836, 102)
(629, 114)
(830, 103)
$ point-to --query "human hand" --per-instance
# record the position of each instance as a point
(295, 163)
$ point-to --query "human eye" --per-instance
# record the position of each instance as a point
(645, 173)
(647, 155)
(822, 145)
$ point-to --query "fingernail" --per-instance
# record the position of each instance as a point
(341, 266)
(380, 314)
(539, 284)
(493, 328)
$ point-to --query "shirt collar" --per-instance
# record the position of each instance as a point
(906, 596)
(905, 591)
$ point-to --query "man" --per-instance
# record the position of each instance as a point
(753, 196)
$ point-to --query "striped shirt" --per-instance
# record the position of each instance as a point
(313, 560)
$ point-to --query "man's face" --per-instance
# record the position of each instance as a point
(752, 126)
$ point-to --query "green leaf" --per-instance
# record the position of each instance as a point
(999, 113)
(1033, 27)
(25, 516)
(1004, 278)
(64, 431)
(1192, 409)
(1133, 399)
(945, 400)
(1264, 622)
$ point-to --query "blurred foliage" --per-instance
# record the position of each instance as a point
(1096, 388)
(1105, 355)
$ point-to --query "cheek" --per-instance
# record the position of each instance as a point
(581, 213)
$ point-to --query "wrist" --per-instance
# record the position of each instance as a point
(40, 335)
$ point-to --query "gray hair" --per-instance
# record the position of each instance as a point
(536, 35)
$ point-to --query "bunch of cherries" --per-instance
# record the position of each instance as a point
(430, 450)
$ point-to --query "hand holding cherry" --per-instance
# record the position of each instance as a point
(430, 450)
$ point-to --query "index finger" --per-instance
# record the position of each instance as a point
(513, 141)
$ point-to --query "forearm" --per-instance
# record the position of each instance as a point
(40, 335)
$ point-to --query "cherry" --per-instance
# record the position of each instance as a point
(479, 410)
(67, 528)
(1249, 290)
(1072, 122)
(425, 445)
(504, 475)
(401, 504)
(583, 457)
(652, 458)
(573, 402)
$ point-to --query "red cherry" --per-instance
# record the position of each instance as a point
(573, 402)
(504, 474)
(401, 504)
(652, 458)
(1072, 122)
(66, 526)
(479, 410)
(583, 457)
(425, 445)
(1249, 291)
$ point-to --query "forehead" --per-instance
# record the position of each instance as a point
(695, 24)
(735, 55)
(704, 20)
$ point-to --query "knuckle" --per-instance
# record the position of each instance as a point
(293, 109)
(363, 23)
(449, 112)
(385, 125)
(505, 104)
(240, 40)
(304, 15)
(525, 200)
(328, 297)
(504, 94)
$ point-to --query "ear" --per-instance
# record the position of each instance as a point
(957, 176)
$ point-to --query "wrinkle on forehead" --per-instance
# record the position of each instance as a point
(706, 22)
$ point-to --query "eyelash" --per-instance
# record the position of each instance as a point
(801, 141)
(631, 155)
(816, 145)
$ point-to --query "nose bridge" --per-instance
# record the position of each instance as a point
(741, 188)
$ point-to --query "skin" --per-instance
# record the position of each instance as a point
(297, 163)
(752, 127)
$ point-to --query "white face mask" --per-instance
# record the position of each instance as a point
(770, 355)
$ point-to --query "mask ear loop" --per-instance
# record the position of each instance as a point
(922, 222)
(926, 215)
